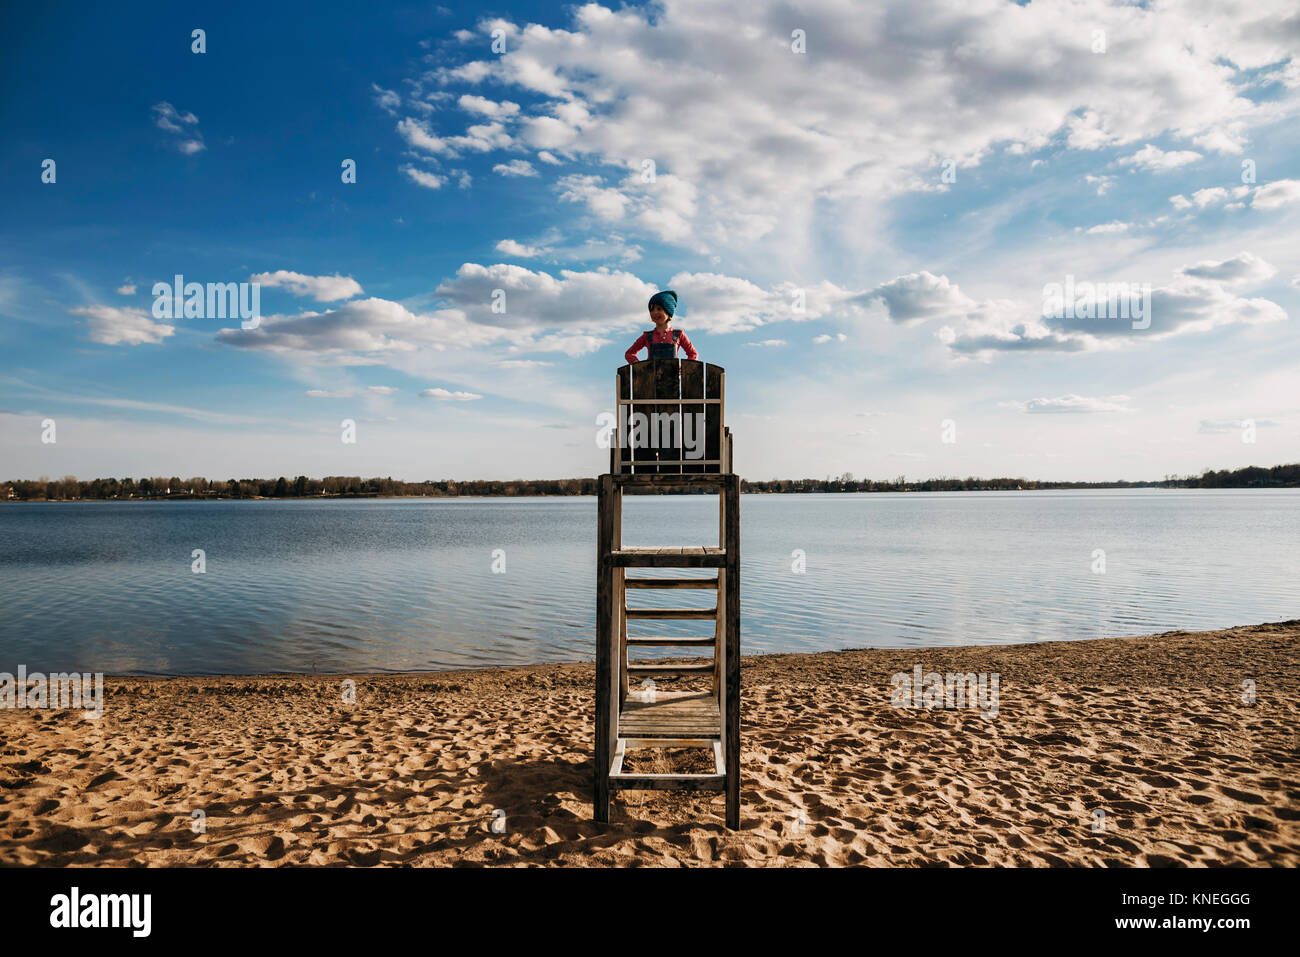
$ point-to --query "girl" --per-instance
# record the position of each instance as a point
(662, 341)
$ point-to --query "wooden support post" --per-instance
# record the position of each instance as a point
(720, 604)
(731, 719)
(620, 601)
(606, 699)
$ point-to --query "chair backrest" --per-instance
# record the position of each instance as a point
(670, 418)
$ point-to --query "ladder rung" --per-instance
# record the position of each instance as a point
(665, 613)
(695, 556)
(706, 667)
(670, 583)
(669, 640)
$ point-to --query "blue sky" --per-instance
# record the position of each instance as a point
(862, 233)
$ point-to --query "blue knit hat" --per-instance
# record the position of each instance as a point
(667, 299)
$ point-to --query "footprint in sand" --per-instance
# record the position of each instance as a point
(1245, 797)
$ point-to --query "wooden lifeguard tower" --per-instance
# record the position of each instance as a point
(647, 454)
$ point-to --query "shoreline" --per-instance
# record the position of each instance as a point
(746, 660)
(1151, 730)
(1128, 487)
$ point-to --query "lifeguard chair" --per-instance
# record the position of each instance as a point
(662, 406)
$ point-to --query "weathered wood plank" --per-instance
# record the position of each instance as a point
(652, 558)
(709, 743)
(668, 378)
(606, 713)
(641, 671)
(658, 731)
(670, 583)
(620, 597)
(637, 641)
(689, 481)
(692, 389)
(643, 387)
(620, 751)
(713, 415)
(623, 394)
(675, 614)
(673, 714)
(732, 651)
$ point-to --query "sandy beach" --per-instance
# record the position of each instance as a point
(1134, 751)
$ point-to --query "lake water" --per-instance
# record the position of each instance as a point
(408, 584)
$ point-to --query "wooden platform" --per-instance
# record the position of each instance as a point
(632, 479)
(691, 556)
(673, 714)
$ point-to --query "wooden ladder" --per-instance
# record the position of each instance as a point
(674, 719)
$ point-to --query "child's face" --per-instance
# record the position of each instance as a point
(659, 316)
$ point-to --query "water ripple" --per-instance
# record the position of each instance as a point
(396, 585)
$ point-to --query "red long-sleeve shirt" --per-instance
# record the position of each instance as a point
(643, 342)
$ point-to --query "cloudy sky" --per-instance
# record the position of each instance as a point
(862, 207)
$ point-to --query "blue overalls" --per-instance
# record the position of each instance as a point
(661, 350)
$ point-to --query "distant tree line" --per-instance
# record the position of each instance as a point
(332, 486)
(69, 488)
(1279, 476)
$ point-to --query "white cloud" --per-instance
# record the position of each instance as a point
(1209, 427)
(1207, 197)
(590, 250)
(1112, 227)
(320, 288)
(187, 138)
(126, 289)
(112, 326)
(486, 107)
(731, 304)
(361, 332)
(1072, 403)
(1275, 194)
(765, 342)
(578, 301)
(417, 135)
(572, 312)
(1005, 79)
(517, 167)
(602, 201)
(386, 100)
(168, 118)
(1222, 140)
(1155, 159)
(1211, 196)
(919, 296)
(1103, 183)
(512, 248)
(1243, 268)
(547, 157)
(349, 393)
(444, 395)
(426, 179)
(605, 300)
(1188, 304)
(824, 338)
